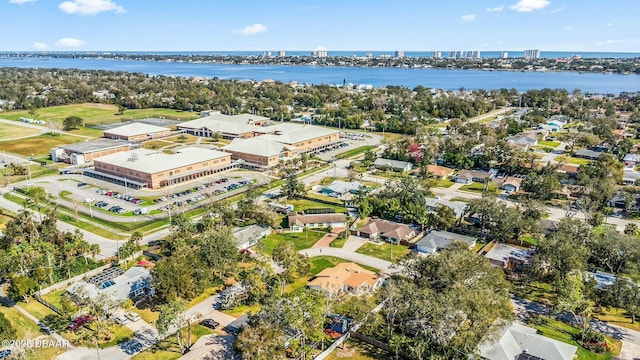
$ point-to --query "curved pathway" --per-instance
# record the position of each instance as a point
(382, 265)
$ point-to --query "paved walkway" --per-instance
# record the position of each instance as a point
(382, 265)
(326, 240)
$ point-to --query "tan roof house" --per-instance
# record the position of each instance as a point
(386, 230)
(346, 278)
(298, 222)
(440, 172)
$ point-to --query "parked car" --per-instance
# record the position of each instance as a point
(132, 316)
(88, 200)
(75, 324)
(121, 320)
(45, 329)
(210, 323)
(5, 354)
(82, 184)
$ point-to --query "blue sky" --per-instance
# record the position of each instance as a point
(233, 25)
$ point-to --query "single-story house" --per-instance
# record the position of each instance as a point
(340, 188)
(396, 165)
(440, 172)
(631, 160)
(298, 222)
(588, 154)
(346, 278)
(386, 230)
(523, 140)
(248, 236)
(519, 342)
(132, 283)
(511, 184)
(630, 177)
(459, 207)
(469, 176)
(570, 170)
(509, 257)
(437, 240)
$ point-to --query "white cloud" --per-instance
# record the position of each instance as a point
(21, 1)
(90, 7)
(39, 45)
(496, 9)
(609, 24)
(69, 42)
(252, 29)
(530, 5)
(469, 17)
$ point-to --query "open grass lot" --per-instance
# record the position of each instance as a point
(15, 131)
(477, 187)
(169, 349)
(444, 183)
(572, 160)
(616, 316)
(562, 332)
(157, 144)
(384, 251)
(355, 152)
(319, 263)
(552, 144)
(300, 240)
(238, 311)
(305, 204)
(357, 350)
(36, 309)
(55, 297)
(26, 329)
(38, 145)
(96, 114)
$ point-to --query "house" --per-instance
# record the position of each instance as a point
(248, 236)
(341, 188)
(519, 342)
(631, 160)
(509, 257)
(437, 240)
(511, 184)
(588, 154)
(469, 176)
(386, 230)
(347, 278)
(298, 222)
(115, 284)
(458, 207)
(395, 165)
(523, 140)
(439, 172)
(630, 177)
(570, 170)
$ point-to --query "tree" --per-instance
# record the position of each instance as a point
(293, 188)
(72, 122)
(572, 299)
(181, 275)
(369, 158)
(21, 287)
(619, 253)
(625, 294)
(446, 217)
(172, 318)
(6, 330)
(295, 264)
(260, 341)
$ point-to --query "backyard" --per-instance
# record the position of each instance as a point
(300, 240)
(384, 251)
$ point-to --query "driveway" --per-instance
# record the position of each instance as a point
(382, 265)
(211, 347)
(353, 243)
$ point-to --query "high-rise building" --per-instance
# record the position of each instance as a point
(399, 54)
(282, 53)
(266, 54)
(319, 53)
(436, 54)
(472, 54)
(504, 55)
(532, 54)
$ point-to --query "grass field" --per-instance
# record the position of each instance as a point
(305, 204)
(36, 309)
(301, 240)
(562, 332)
(553, 144)
(572, 160)
(384, 251)
(96, 114)
(14, 131)
(38, 145)
(444, 183)
(357, 350)
(319, 263)
(354, 152)
(477, 187)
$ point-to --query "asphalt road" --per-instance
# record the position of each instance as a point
(382, 265)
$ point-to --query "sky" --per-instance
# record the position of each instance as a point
(305, 25)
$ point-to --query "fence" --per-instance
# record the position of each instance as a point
(379, 344)
(47, 304)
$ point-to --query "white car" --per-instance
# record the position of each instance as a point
(132, 316)
(89, 200)
(121, 320)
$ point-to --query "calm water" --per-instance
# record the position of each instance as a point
(378, 77)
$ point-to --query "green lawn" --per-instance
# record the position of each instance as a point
(205, 294)
(355, 152)
(543, 148)
(562, 332)
(13, 131)
(384, 251)
(98, 113)
(238, 311)
(444, 183)
(304, 204)
(553, 144)
(36, 309)
(616, 316)
(536, 291)
(338, 243)
(357, 350)
(55, 298)
(169, 349)
(300, 240)
(38, 145)
(319, 263)
(572, 160)
(26, 329)
(477, 187)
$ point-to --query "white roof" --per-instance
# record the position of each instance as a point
(517, 338)
(136, 128)
(300, 133)
(256, 146)
(226, 127)
(150, 162)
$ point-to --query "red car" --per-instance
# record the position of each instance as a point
(79, 322)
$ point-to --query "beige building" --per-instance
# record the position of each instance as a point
(305, 138)
(345, 278)
(152, 169)
(228, 126)
(84, 152)
(137, 132)
(257, 152)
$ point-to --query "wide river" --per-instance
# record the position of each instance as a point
(377, 77)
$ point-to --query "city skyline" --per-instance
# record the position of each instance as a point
(250, 25)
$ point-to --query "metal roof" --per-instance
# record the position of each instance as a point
(136, 128)
(95, 145)
(151, 162)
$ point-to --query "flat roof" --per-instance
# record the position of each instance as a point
(134, 129)
(95, 145)
(227, 127)
(151, 162)
(299, 134)
(256, 146)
